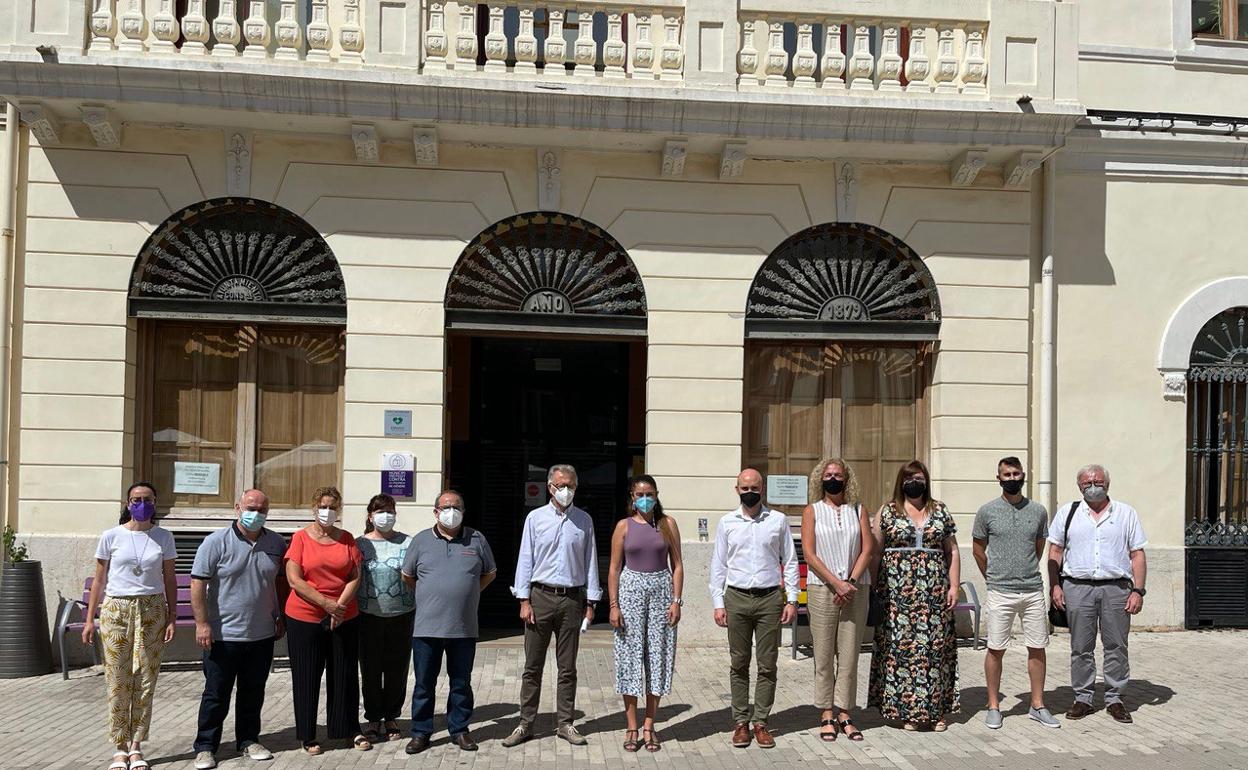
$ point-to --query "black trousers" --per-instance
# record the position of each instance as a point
(315, 650)
(385, 644)
(228, 663)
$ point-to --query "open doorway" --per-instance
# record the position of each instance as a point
(517, 406)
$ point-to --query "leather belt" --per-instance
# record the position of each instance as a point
(756, 591)
(558, 590)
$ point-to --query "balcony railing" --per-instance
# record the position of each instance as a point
(960, 49)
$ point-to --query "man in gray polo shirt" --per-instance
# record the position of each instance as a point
(450, 565)
(1009, 535)
(235, 598)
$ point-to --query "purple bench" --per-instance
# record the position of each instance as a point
(185, 618)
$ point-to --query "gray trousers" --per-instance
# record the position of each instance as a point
(1094, 607)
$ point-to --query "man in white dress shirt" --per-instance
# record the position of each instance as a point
(753, 550)
(1101, 586)
(557, 585)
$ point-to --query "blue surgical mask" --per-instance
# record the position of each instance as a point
(253, 521)
(645, 504)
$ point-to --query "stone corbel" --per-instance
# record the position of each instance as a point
(425, 142)
(43, 125)
(732, 160)
(238, 163)
(1019, 170)
(548, 174)
(847, 192)
(965, 167)
(104, 129)
(1174, 384)
(367, 149)
(674, 153)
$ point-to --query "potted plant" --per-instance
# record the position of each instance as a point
(25, 643)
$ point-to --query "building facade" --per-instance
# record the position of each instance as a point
(285, 244)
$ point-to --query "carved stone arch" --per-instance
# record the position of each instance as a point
(239, 259)
(545, 270)
(1183, 330)
(843, 280)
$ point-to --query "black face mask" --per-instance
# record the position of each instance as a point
(914, 488)
(1012, 486)
(751, 499)
(834, 486)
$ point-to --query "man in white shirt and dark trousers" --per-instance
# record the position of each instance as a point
(1101, 585)
(753, 548)
(557, 585)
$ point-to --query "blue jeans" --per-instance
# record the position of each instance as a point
(226, 664)
(427, 664)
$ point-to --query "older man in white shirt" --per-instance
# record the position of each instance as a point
(1099, 545)
(557, 585)
(753, 549)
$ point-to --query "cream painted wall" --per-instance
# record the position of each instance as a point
(1136, 23)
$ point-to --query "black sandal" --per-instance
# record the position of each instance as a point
(825, 736)
(393, 733)
(631, 745)
(652, 743)
(845, 724)
(373, 732)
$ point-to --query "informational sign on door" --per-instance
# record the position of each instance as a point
(786, 490)
(534, 493)
(398, 422)
(398, 474)
(197, 478)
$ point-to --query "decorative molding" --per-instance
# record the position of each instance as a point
(234, 257)
(104, 129)
(550, 264)
(1190, 317)
(425, 143)
(732, 160)
(367, 149)
(43, 125)
(1174, 384)
(847, 192)
(238, 162)
(674, 153)
(965, 167)
(1019, 170)
(843, 273)
(548, 173)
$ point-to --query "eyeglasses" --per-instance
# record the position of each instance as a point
(144, 499)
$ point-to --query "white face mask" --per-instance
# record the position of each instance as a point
(450, 518)
(384, 520)
(564, 495)
(326, 516)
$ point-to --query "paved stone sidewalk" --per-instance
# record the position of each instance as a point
(1186, 693)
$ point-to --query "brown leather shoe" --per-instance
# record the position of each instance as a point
(1079, 710)
(741, 735)
(762, 737)
(1119, 713)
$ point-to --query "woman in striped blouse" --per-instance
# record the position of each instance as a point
(839, 549)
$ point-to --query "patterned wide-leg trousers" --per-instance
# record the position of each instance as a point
(132, 632)
(645, 648)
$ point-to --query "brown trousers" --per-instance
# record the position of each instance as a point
(560, 616)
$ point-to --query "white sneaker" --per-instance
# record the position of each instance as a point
(204, 760)
(253, 750)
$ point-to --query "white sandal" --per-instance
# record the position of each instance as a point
(120, 764)
(140, 763)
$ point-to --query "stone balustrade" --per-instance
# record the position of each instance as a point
(863, 55)
(885, 49)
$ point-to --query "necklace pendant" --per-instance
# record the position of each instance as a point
(137, 570)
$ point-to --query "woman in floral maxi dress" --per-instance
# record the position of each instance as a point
(914, 664)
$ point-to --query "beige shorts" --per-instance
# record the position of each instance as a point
(1028, 607)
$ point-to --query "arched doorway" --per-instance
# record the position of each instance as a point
(546, 322)
(240, 308)
(1216, 530)
(840, 322)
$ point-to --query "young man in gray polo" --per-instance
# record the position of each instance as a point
(450, 565)
(1009, 536)
(235, 597)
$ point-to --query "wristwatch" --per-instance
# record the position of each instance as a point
(791, 604)
(1140, 591)
(678, 602)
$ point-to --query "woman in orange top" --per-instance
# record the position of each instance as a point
(322, 633)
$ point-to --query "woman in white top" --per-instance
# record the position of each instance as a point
(134, 571)
(838, 549)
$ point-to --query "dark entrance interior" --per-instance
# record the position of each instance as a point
(518, 406)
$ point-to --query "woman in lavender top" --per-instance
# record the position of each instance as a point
(644, 585)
